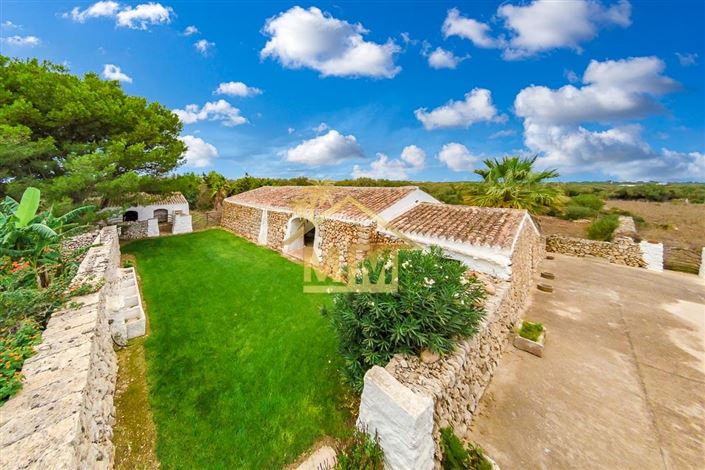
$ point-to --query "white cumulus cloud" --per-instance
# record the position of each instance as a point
(476, 107)
(138, 17)
(113, 72)
(545, 24)
(310, 38)
(219, 110)
(412, 159)
(144, 15)
(614, 89)
(238, 89)
(199, 153)
(440, 58)
(28, 41)
(457, 157)
(540, 25)
(327, 149)
(613, 92)
(457, 25)
(203, 46)
(97, 10)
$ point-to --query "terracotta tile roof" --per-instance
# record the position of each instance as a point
(333, 201)
(145, 199)
(464, 224)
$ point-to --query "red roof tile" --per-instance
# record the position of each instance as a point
(332, 201)
(465, 224)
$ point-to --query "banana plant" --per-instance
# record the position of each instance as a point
(35, 237)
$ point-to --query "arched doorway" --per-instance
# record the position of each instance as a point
(301, 236)
(162, 215)
(130, 216)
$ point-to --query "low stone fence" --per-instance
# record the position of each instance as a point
(621, 251)
(625, 247)
(407, 402)
(62, 417)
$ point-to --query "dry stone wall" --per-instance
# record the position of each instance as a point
(243, 220)
(63, 416)
(276, 228)
(621, 251)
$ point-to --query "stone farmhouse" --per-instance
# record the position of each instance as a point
(343, 224)
(140, 221)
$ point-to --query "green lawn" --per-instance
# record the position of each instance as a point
(241, 366)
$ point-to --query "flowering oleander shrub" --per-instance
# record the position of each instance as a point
(434, 305)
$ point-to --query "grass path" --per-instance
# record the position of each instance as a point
(241, 367)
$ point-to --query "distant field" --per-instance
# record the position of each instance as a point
(678, 225)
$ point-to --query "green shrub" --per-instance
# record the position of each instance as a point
(458, 457)
(603, 227)
(434, 305)
(360, 452)
(573, 212)
(16, 345)
(530, 330)
(588, 200)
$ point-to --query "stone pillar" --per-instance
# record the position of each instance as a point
(152, 227)
(401, 419)
(182, 224)
(652, 253)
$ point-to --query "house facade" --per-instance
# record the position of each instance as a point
(341, 225)
(143, 220)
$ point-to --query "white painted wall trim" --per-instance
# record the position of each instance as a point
(652, 253)
(489, 260)
(263, 226)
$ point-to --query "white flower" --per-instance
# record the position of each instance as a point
(463, 281)
(428, 282)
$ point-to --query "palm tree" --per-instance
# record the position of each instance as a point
(513, 183)
(219, 188)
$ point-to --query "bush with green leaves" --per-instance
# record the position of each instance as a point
(458, 457)
(574, 212)
(359, 452)
(588, 200)
(603, 227)
(435, 304)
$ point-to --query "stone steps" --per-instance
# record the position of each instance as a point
(128, 319)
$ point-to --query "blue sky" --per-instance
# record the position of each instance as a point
(417, 90)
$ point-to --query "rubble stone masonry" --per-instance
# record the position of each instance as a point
(63, 415)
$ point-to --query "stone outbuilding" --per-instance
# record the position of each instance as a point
(143, 220)
(341, 225)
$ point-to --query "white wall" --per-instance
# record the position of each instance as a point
(404, 204)
(147, 212)
(182, 224)
(652, 254)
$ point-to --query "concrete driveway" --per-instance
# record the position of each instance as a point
(622, 381)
